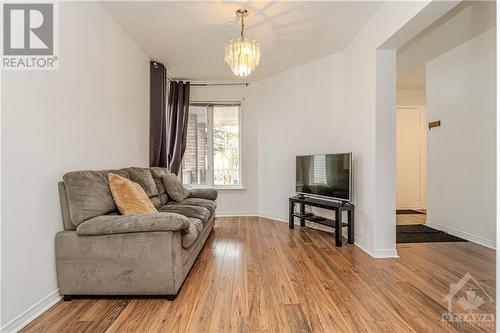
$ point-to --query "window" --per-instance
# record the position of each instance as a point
(213, 154)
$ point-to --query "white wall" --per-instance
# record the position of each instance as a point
(300, 113)
(238, 201)
(461, 153)
(369, 101)
(410, 97)
(92, 113)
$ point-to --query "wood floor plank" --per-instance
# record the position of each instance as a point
(103, 314)
(256, 275)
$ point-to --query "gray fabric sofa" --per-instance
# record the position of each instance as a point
(101, 252)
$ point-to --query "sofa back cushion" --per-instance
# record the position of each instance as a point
(88, 194)
(174, 187)
(143, 177)
(63, 199)
(162, 198)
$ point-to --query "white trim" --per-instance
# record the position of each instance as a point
(32, 313)
(230, 188)
(274, 217)
(218, 187)
(241, 161)
(210, 144)
(375, 253)
(462, 234)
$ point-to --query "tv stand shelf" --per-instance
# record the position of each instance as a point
(337, 224)
(319, 220)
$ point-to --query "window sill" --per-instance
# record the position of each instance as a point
(220, 188)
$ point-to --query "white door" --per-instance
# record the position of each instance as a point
(410, 157)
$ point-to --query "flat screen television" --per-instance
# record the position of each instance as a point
(325, 175)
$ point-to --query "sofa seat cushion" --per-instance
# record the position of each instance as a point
(196, 212)
(122, 224)
(209, 204)
(191, 234)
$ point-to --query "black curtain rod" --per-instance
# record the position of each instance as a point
(213, 84)
(219, 84)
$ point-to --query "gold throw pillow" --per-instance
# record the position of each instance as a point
(129, 197)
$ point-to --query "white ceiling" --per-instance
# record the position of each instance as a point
(465, 21)
(189, 37)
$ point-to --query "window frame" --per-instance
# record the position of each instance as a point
(210, 143)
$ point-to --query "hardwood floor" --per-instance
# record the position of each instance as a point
(255, 274)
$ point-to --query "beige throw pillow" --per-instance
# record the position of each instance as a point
(129, 197)
(174, 187)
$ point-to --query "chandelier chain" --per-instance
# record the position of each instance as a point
(242, 26)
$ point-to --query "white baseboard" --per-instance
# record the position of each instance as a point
(375, 253)
(32, 313)
(464, 235)
(275, 217)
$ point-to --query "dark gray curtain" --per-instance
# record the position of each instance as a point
(177, 123)
(157, 117)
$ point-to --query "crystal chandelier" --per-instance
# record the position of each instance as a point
(242, 54)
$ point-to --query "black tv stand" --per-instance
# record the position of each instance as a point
(337, 206)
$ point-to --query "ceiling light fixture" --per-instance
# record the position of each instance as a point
(242, 54)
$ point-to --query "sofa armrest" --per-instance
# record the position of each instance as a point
(121, 224)
(204, 193)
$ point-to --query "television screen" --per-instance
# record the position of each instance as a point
(327, 175)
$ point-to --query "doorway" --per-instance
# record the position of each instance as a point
(446, 78)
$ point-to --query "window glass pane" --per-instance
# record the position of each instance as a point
(195, 161)
(226, 145)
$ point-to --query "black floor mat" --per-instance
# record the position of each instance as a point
(407, 211)
(419, 233)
